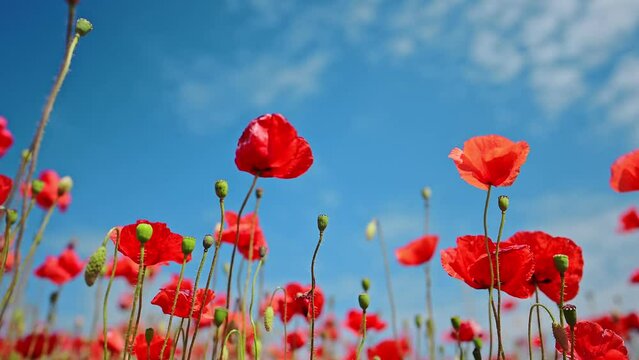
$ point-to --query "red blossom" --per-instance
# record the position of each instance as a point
(6, 138)
(298, 302)
(140, 347)
(270, 147)
(248, 222)
(5, 188)
(354, 321)
(622, 325)
(624, 173)
(164, 245)
(296, 340)
(593, 342)
(124, 268)
(61, 269)
(390, 349)
(634, 277)
(115, 341)
(468, 330)
(490, 160)
(629, 221)
(34, 346)
(49, 194)
(508, 305)
(417, 252)
(165, 299)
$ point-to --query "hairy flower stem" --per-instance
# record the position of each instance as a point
(226, 339)
(136, 294)
(191, 307)
(541, 337)
(530, 314)
(17, 180)
(5, 248)
(218, 243)
(500, 348)
(173, 307)
(360, 347)
(312, 293)
(389, 285)
(491, 304)
(255, 333)
(285, 310)
(176, 337)
(561, 305)
(572, 342)
(108, 291)
(139, 311)
(430, 321)
(70, 21)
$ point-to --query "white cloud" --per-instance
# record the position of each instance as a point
(619, 95)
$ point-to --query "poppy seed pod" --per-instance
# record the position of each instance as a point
(371, 229)
(561, 262)
(37, 186)
(208, 241)
(65, 185)
(364, 301)
(456, 322)
(322, 222)
(418, 321)
(570, 314)
(269, 314)
(426, 193)
(83, 27)
(221, 188)
(95, 265)
(11, 217)
(219, 316)
(366, 284)
(188, 245)
(148, 336)
(560, 336)
(503, 201)
(143, 232)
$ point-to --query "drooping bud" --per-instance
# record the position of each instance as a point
(65, 185)
(95, 265)
(221, 188)
(364, 301)
(418, 321)
(456, 322)
(560, 336)
(11, 217)
(570, 314)
(148, 336)
(366, 284)
(322, 222)
(188, 245)
(36, 187)
(263, 251)
(208, 241)
(426, 192)
(143, 232)
(259, 192)
(371, 230)
(83, 27)
(269, 314)
(219, 316)
(503, 202)
(561, 263)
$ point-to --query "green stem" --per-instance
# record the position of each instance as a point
(537, 305)
(139, 310)
(108, 291)
(541, 337)
(178, 331)
(175, 299)
(312, 293)
(50, 318)
(70, 21)
(491, 304)
(136, 294)
(285, 313)
(389, 285)
(572, 342)
(459, 347)
(226, 339)
(561, 304)
(418, 341)
(500, 348)
(363, 340)
(430, 321)
(191, 307)
(255, 333)
(5, 249)
(17, 180)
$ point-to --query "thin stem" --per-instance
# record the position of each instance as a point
(285, 310)
(389, 286)
(312, 293)
(136, 294)
(541, 337)
(491, 304)
(178, 331)
(500, 347)
(418, 341)
(363, 340)
(173, 307)
(226, 339)
(191, 307)
(255, 333)
(70, 21)
(108, 291)
(459, 347)
(17, 179)
(5, 249)
(572, 342)
(430, 321)
(139, 311)
(537, 305)
(561, 304)
(50, 318)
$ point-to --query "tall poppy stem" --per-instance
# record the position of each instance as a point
(418, 342)
(561, 305)
(541, 337)
(136, 294)
(312, 292)
(255, 333)
(430, 321)
(500, 348)
(530, 314)
(173, 307)
(176, 337)
(363, 340)
(389, 285)
(108, 291)
(572, 342)
(191, 307)
(491, 304)
(285, 313)
(5, 249)
(140, 298)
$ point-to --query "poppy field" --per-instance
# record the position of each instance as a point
(159, 293)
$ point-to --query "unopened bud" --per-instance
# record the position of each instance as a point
(366, 284)
(95, 265)
(426, 192)
(456, 322)
(221, 188)
(477, 350)
(219, 316)
(37, 186)
(418, 321)
(503, 202)
(364, 301)
(143, 232)
(478, 343)
(371, 229)
(83, 27)
(259, 192)
(208, 241)
(11, 217)
(560, 336)
(269, 314)
(148, 336)
(263, 251)
(65, 185)
(561, 263)
(322, 222)
(188, 245)
(570, 314)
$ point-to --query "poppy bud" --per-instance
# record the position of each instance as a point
(503, 202)
(570, 314)
(560, 336)
(364, 301)
(37, 186)
(188, 245)
(83, 27)
(263, 251)
(426, 192)
(143, 232)
(561, 263)
(65, 185)
(371, 229)
(268, 318)
(26, 155)
(221, 188)
(148, 336)
(322, 222)
(208, 241)
(366, 284)
(11, 217)
(95, 265)
(456, 322)
(418, 321)
(477, 350)
(219, 316)
(478, 343)
(259, 192)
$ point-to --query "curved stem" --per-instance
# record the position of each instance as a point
(541, 337)
(136, 294)
(173, 307)
(108, 291)
(537, 305)
(226, 339)
(363, 340)
(191, 307)
(5, 248)
(312, 293)
(255, 333)
(500, 347)
(491, 305)
(389, 286)
(285, 310)
(178, 331)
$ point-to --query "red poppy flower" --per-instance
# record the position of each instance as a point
(354, 321)
(508, 305)
(329, 329)
(246, 225)
(296, 340)
(140, 347)
(622, 325)
(546, 277)
(629, 221)
(164, 245)
(115, 341)
(61, 269)
(298, 302)
(634, 278)
(125, 301)
(124, 268)
(175, 278)
(468, 330)
(49, 194)
(165, 298)
(270, 147)
(390, 349)
(593, 342)
(490, 160)
(6, 138)
(624, 173)
(5, 188)
(469, 262)
(34, 346)
(417, 251)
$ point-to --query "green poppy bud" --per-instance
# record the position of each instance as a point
(570, 314)
(36, 187)
(219, 316)
(11, 217)
(221, 188)
(426, 192)
(269, 314)
(322, 222)
(83, 27)
(560, 336)
(65, 185)
(456, 322)
(148, 336)
(478, 343)
(503, 202)
(364, 301)
(371, 230)
(208, 241)
(144, 232)
(188, 245)
(561, 263)
(95, 265)
(366, 284)
(418, 321)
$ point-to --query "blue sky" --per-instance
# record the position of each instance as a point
(159, 93)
